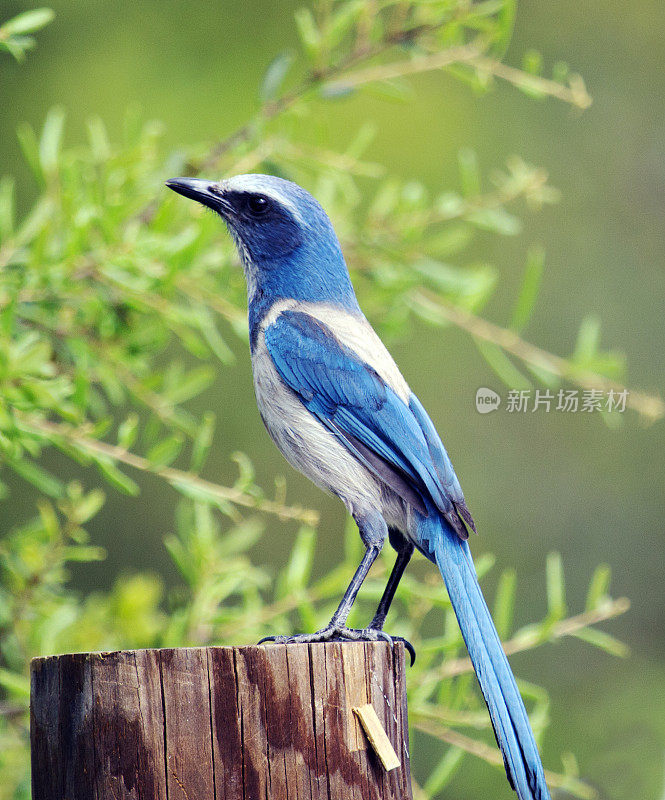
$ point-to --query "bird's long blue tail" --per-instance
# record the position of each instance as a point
(509, 718)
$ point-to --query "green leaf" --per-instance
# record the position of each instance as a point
(561, 72)
(85, 554)
(526, 299)
(165, 452)
(588, 339)
(497, 220)
(191, 384)
(441, 775)
(240, 538)
(212, 336)
(275, 75)
(599, 587)
(99, 139)
(506, 19)
(17, 46)
(504, 603)
(603, 641)
(51, 140)
(88, 506)
(469, 172)
(310, 36)
(6, 207)
(28, 22)
(470, 286)
(49, 519)
(343, 21)
(14, 683)
(484, 563)
(115, 477)
(502, 365)
(451, 240)
(556, 592)
(202, 441)
(245, 480)
(27, 140)
(34, 474)
(35, 222)
(180, 557)
(297, 572)
(544, 375)
(127, 431)
(532, 62)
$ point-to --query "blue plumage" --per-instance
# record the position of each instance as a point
(509, 719)
(348, 396)
(337, 406)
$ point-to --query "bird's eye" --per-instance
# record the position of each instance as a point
(257, 205)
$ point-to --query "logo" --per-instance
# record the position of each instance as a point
(487, 400)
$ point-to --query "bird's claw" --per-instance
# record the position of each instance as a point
(339, 633)
(410, 649)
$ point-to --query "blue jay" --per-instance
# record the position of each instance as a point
(338, 408)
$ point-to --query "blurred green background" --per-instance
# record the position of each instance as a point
(535, 482)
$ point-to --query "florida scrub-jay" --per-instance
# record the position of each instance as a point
(338, 408)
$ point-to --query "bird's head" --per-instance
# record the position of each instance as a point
(285, 240)
(284, 237)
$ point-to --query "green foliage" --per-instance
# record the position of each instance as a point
(119, 306)
(224, 598)
(14, 34)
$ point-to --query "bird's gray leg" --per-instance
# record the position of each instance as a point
(373, 531)
(404, 550)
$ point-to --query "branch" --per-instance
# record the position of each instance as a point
(650, 406)
(400, 69)
(575, 94)
(179, 479)
(529, 639)
(313, 81)
(493, 756)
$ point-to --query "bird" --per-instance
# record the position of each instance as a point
(337, 406)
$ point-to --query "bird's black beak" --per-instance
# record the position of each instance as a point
(204, 192)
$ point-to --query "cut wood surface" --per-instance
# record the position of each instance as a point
(219, 723)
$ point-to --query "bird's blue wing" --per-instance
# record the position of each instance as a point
(442, 462)
(397, 442)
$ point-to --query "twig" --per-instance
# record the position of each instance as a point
(12, 710)
(198, 291)
(175, 477)
(575, 94)
(492, 756)
(650, 406)
(529, 639)
(400, 69)
(314, 80)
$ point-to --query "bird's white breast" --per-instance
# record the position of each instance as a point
(305, 442)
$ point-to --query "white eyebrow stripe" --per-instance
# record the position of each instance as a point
(254, 183)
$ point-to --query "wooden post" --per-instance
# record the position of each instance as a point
(220, 723)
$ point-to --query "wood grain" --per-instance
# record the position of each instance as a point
(218, 723)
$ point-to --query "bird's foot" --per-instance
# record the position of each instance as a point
(340, 633)
(410, 649)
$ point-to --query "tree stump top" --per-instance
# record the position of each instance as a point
(206, 723)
